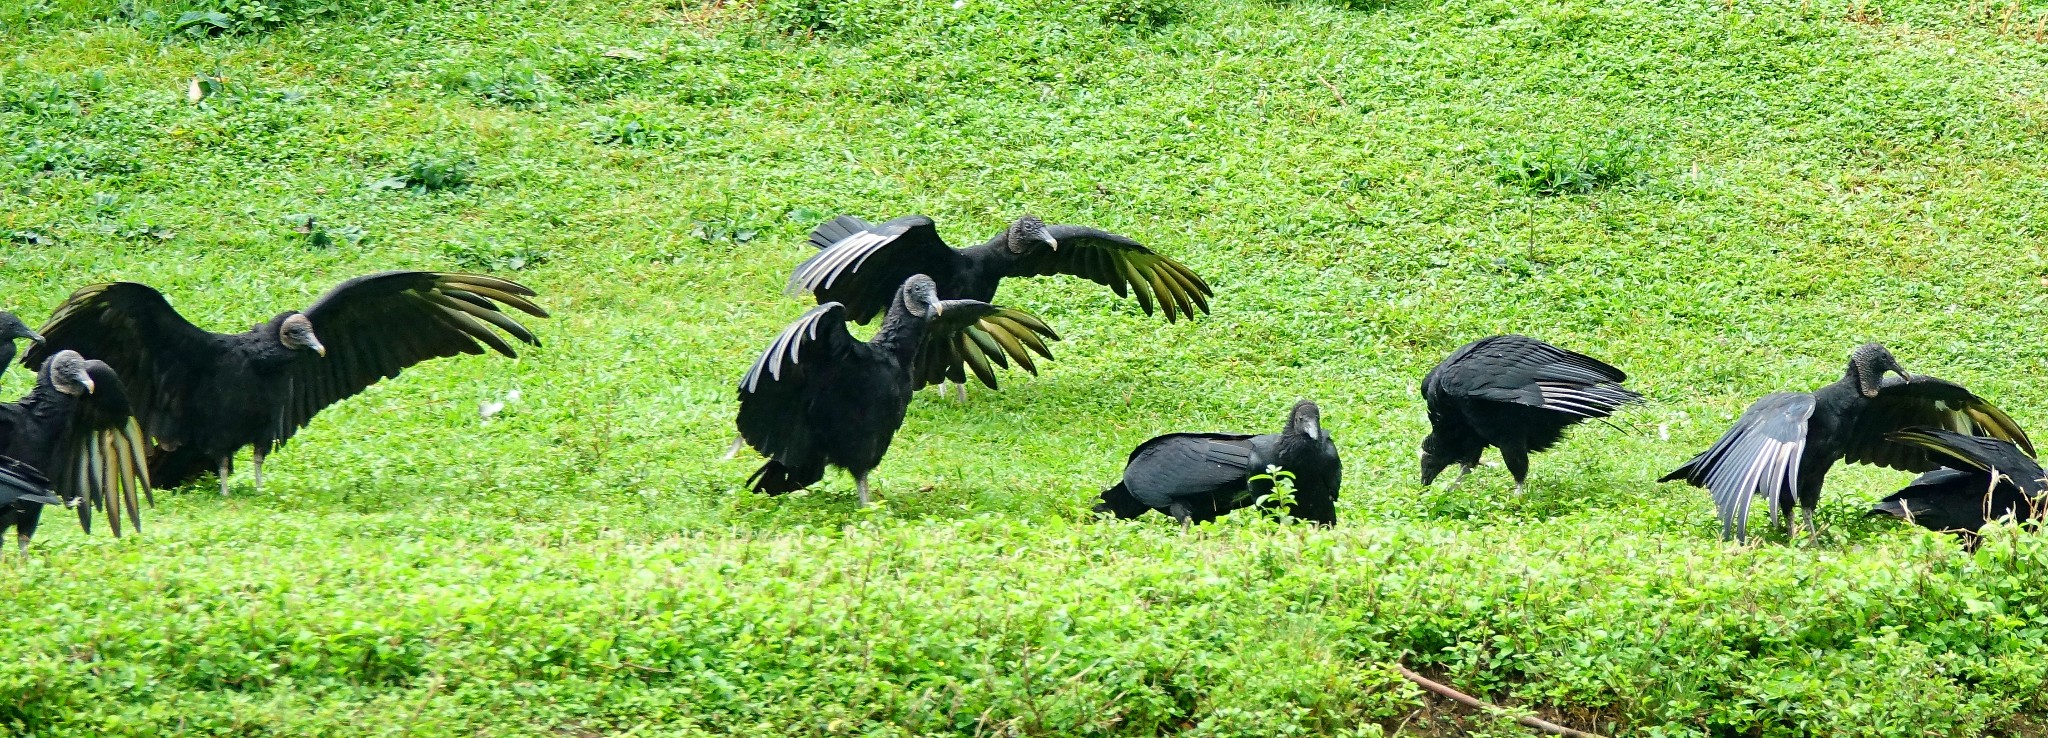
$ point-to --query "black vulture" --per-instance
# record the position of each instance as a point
(1783, 445)
(819, 396)
(202, 396)
(1196, 477)
(1981, 480)
(1514, 393)
(12, 328)
(860, 264)
(75, 428)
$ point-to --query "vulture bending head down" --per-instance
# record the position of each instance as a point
(202, 396)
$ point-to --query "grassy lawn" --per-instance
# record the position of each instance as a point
(1721, 198)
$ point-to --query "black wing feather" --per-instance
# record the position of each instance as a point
(377, 325)
(773, 392)
(863, 268)
(102, 458)
(1179, 466)
(1527, 371)
(1759, 456)
(1927, 402)
(1118, 263)
(133, 329)
(981, 338)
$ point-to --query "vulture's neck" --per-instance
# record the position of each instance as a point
(900, 333)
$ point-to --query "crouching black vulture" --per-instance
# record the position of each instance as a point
(860, 265)
(202, 396)
(1981, 480)
(1196, 477)
(1783, 445)
(1514, 393)
(75, 428)
(818, 396)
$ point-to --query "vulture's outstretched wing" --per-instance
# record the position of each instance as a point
(132, 328)
(1123, 265)
(1758, 456)
(773, 392)
(1183, 466)
(1526, 371)
(864, 265)
(1990, 455)
(376, 325)
(974, 335)
(102, 458)
(1924, 401)
(20, 482)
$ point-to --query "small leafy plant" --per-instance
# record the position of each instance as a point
(630, 128)
(1556, 168)
(426, 174)
(492, 256)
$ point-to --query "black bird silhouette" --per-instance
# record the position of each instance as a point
(202, 396)
(1981, 480)
(1783, 445)
(76, 430)
(860, 264)
(1514, 393)
(12, 328)
(820, 397)
(1196, 477)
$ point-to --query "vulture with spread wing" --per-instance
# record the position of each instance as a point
(1783, 445)
(1514, 393)
(818, 396)
(1981, 480)
(76, 433)
(202, 396)
(1197, 477)
(860, 265)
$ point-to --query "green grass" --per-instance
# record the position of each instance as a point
(1721, 198)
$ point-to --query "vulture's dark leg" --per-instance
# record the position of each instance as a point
(860, 482)
(1516, 456)
(1180, 511)
(22, 539)
(259, 468)
(959, 392)
(227, 466)
(734, 450)
(1463, 469)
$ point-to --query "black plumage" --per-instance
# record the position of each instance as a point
(202, 396)
(75, 428)
(1514, 393)
(817, 396)
(1783, 445)
(1196, 477)
(1981, 480)
(12, 328)
(860, 265)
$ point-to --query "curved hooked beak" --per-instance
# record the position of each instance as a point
(87, 381)
(937, 306)
(319, 348)
(1053, 242)
(1313, 428)
(31, 335)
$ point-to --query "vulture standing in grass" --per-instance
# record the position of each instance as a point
(860, 264)
(1514, 393)
(1196, 477)
(202, 396)
(818, 396)
(1981, 480)
(76, 432)
(1783, 445)
(12, 328)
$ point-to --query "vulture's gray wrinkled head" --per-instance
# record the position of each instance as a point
(1867, 365)
(1306, 419)
(1027, 235)
(920, 295)
(296, 333)
(66, 371)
